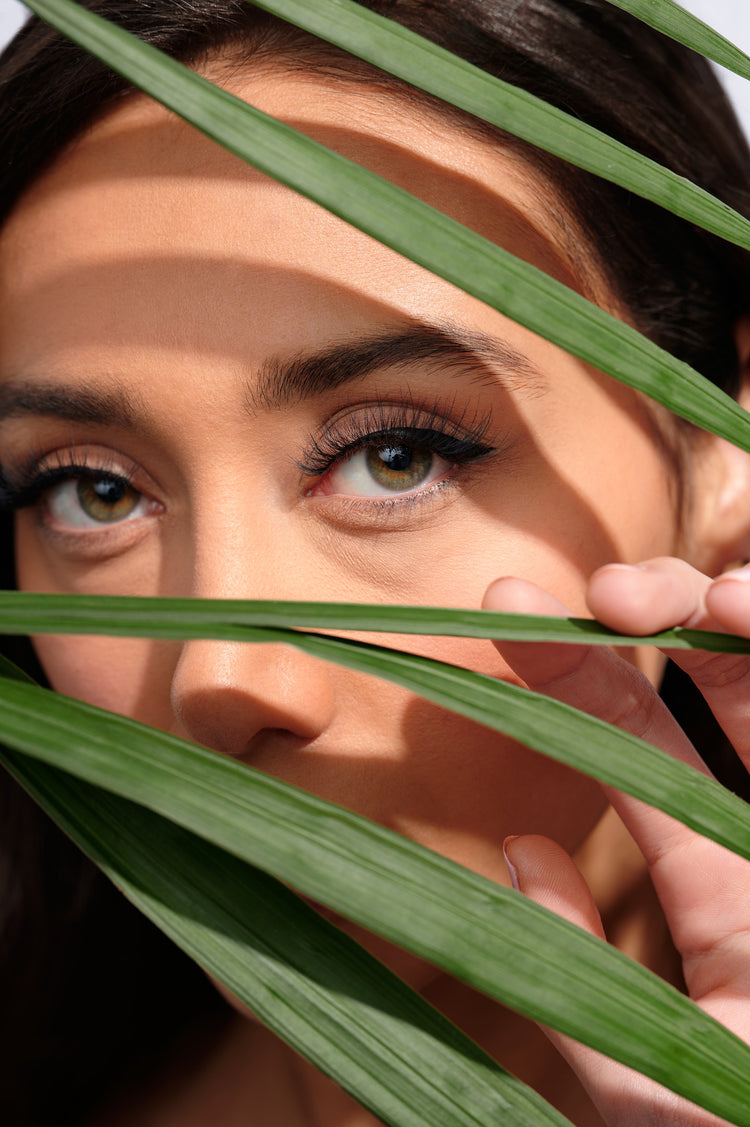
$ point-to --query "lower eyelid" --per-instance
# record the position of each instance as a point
(88, 547)
(404, 511)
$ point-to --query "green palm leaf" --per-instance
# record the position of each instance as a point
(311, 984)
(413, 228)
(686, 28)
(402, 52)
(563, 733)
(23, 612)
(492, 938)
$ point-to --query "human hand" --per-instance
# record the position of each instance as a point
(704, 889)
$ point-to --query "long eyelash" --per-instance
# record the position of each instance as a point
(24, 486)
(459, 441)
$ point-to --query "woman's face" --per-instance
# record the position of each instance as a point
(212, 387)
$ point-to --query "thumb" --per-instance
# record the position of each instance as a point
(543, 871)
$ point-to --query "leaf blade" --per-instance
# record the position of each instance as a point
(410, 227)
(689, 30)
(551, 727)
(179, 619)
(304, 978)
(394, 48)
(418, 899)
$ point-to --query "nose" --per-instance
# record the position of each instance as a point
(230, 696)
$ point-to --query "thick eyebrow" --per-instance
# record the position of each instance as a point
(478, 356)
(76, 404)
(481, 357)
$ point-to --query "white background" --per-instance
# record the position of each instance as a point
(730, 17)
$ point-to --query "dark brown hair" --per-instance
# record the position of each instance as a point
(89, 988)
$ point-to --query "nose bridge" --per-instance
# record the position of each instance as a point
(243, 552)
(225, 694)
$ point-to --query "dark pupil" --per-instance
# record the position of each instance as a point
(109, 490)
(396, 457)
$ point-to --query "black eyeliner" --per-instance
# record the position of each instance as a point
(458, 442)
(31, 484)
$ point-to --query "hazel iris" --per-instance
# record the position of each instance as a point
(398, 466)
(106, 499)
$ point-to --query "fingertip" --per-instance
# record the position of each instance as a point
(533, 861)
(520, 596)
(620, 595)
(728, 600)
(534, 664)
(543, 871)
(642, 598)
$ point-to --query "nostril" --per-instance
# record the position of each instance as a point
(224, 695)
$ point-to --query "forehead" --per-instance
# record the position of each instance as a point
(145, 197)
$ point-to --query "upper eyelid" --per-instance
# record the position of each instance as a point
(76, 455)
(24, 485)
(378, 419)
(417, 435)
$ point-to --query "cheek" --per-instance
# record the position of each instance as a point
(130, 676)
(431, 775)
(460, 788)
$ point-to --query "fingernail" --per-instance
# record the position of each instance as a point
(740, 574)
(512, 870)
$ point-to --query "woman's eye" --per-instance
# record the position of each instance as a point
(89, 502)
(391, 466)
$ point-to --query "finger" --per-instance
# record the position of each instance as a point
(591, 678)
(728, 601)
(698, 882)
(647, 597)
(542, 870)
(662, 593)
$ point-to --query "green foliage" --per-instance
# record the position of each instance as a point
(686, 28)
(413, 228)
(556, 729)
(464, 923)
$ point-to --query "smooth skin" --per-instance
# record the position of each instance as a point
(701, 885)
(176, 275)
